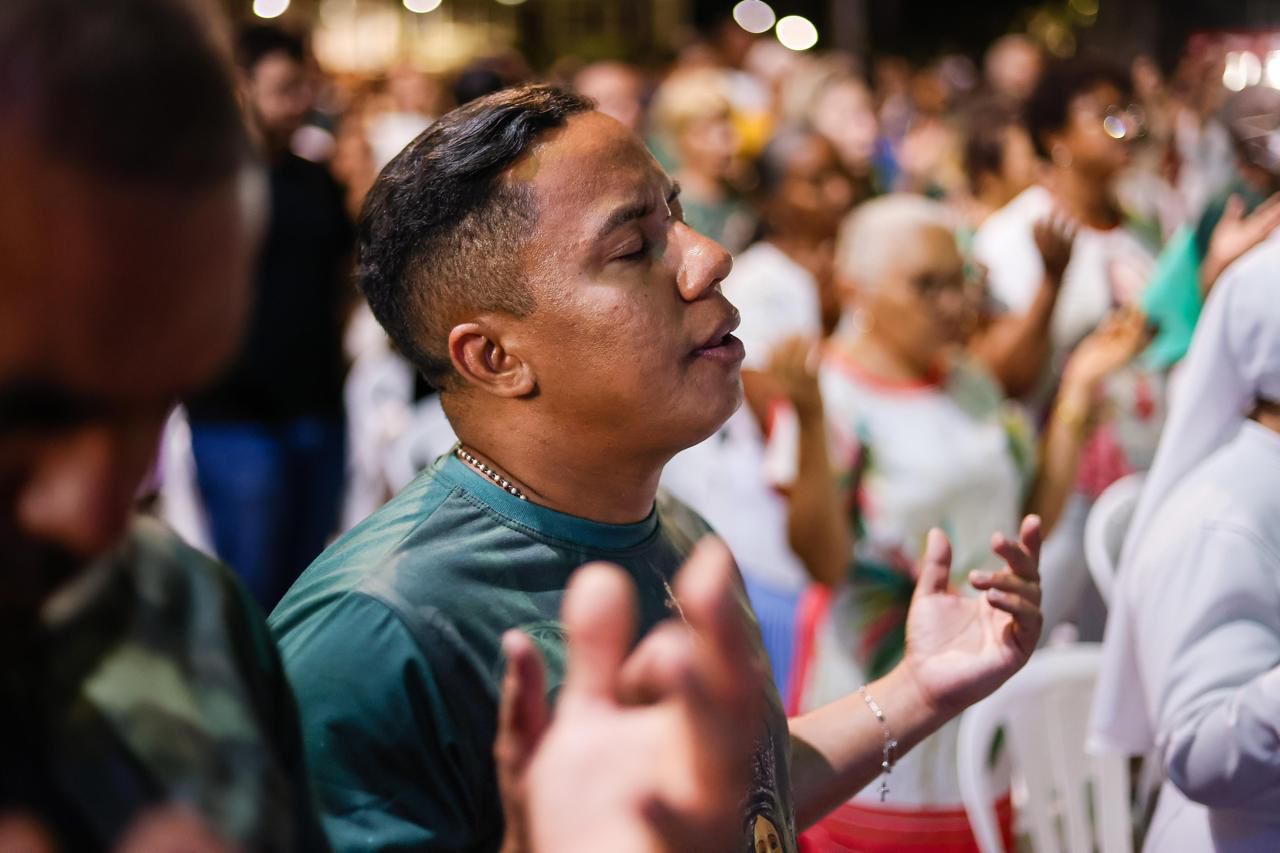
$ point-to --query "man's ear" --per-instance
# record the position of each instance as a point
(483, 360)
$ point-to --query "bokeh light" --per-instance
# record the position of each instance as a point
(754, 16)
(422, 6)
(797, 32)
(270, 8)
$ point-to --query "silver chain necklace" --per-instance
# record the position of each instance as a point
(499, 480)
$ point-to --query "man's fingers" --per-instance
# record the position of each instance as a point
(522, 710)
(1006, 582)
(1233, 211)
(661, 667)
(599, 618)
(1027, 618)
(710, 597)
(935, 565)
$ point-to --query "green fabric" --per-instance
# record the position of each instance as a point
(1172, 300)
(392, 642)
(161, 685)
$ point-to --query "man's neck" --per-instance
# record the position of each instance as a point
(552, 470)
(1086, 199)
(1268, 414)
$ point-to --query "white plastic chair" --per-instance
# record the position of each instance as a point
(1066, 800)
(1105, 529)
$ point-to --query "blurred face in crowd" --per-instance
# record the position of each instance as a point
(1013, 67)
(708, 145)
(1090, 148)
(1018, 163)
(630, 340)
(815, 193)
(617, 90)
(279, 95)
(116, 301)
(844, 114)
(920, 309)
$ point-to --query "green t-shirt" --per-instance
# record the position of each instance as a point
(392, 643)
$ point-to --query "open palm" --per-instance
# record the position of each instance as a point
(961, 648)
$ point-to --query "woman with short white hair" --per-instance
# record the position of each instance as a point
(922, 437)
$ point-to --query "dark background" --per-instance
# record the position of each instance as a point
(923, 28)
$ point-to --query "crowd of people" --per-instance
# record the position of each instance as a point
(403, 354)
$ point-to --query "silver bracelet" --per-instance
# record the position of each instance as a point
(887, 757)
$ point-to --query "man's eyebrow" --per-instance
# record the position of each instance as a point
(634, 210)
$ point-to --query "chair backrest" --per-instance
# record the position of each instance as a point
(1074, 802)
(1105, 529)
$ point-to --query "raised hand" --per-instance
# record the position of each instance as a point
(794, 363)
(647, 750)
(1236, 234)
(961, 648)
(1115, 343)
(1055, 236)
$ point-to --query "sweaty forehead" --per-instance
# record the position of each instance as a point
(582, 172)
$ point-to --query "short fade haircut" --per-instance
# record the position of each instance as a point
(256, 42)
(134, 91)
(442, 230)
(1048, 110)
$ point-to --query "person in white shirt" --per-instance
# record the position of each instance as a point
(1191, 671)
(921, 437)
(779, 286)
(1081, 122)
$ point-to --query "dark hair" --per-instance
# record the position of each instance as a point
(442, 231)
(774, 160)
(255, 43)
(1049, 107)
(987, 125)
(132, 90)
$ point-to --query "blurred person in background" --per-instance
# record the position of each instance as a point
(843, 110)
(269, 436)
(618, 89)
(783, 289)
(414, 100)
(142, 702)
(1201, 142)
(692, 118)
(1189, 678)
(921, 437)
(1012, 67)
(999, 160)
(1081, 120)
(1243, 214)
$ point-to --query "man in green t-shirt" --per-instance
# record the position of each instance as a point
(530, 257)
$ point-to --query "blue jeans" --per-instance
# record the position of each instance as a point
(776, 611)
(273, 493)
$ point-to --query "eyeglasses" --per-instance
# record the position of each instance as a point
(1124, 122)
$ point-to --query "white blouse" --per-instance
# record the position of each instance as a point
(1203, 634)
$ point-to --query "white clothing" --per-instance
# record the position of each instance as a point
(1234, 359)
(725, 481)
(1107, 268)
(1198, 612)
(777, 298)
(953, 456)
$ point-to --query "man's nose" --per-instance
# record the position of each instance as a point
(81, 488)
(704, 263)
